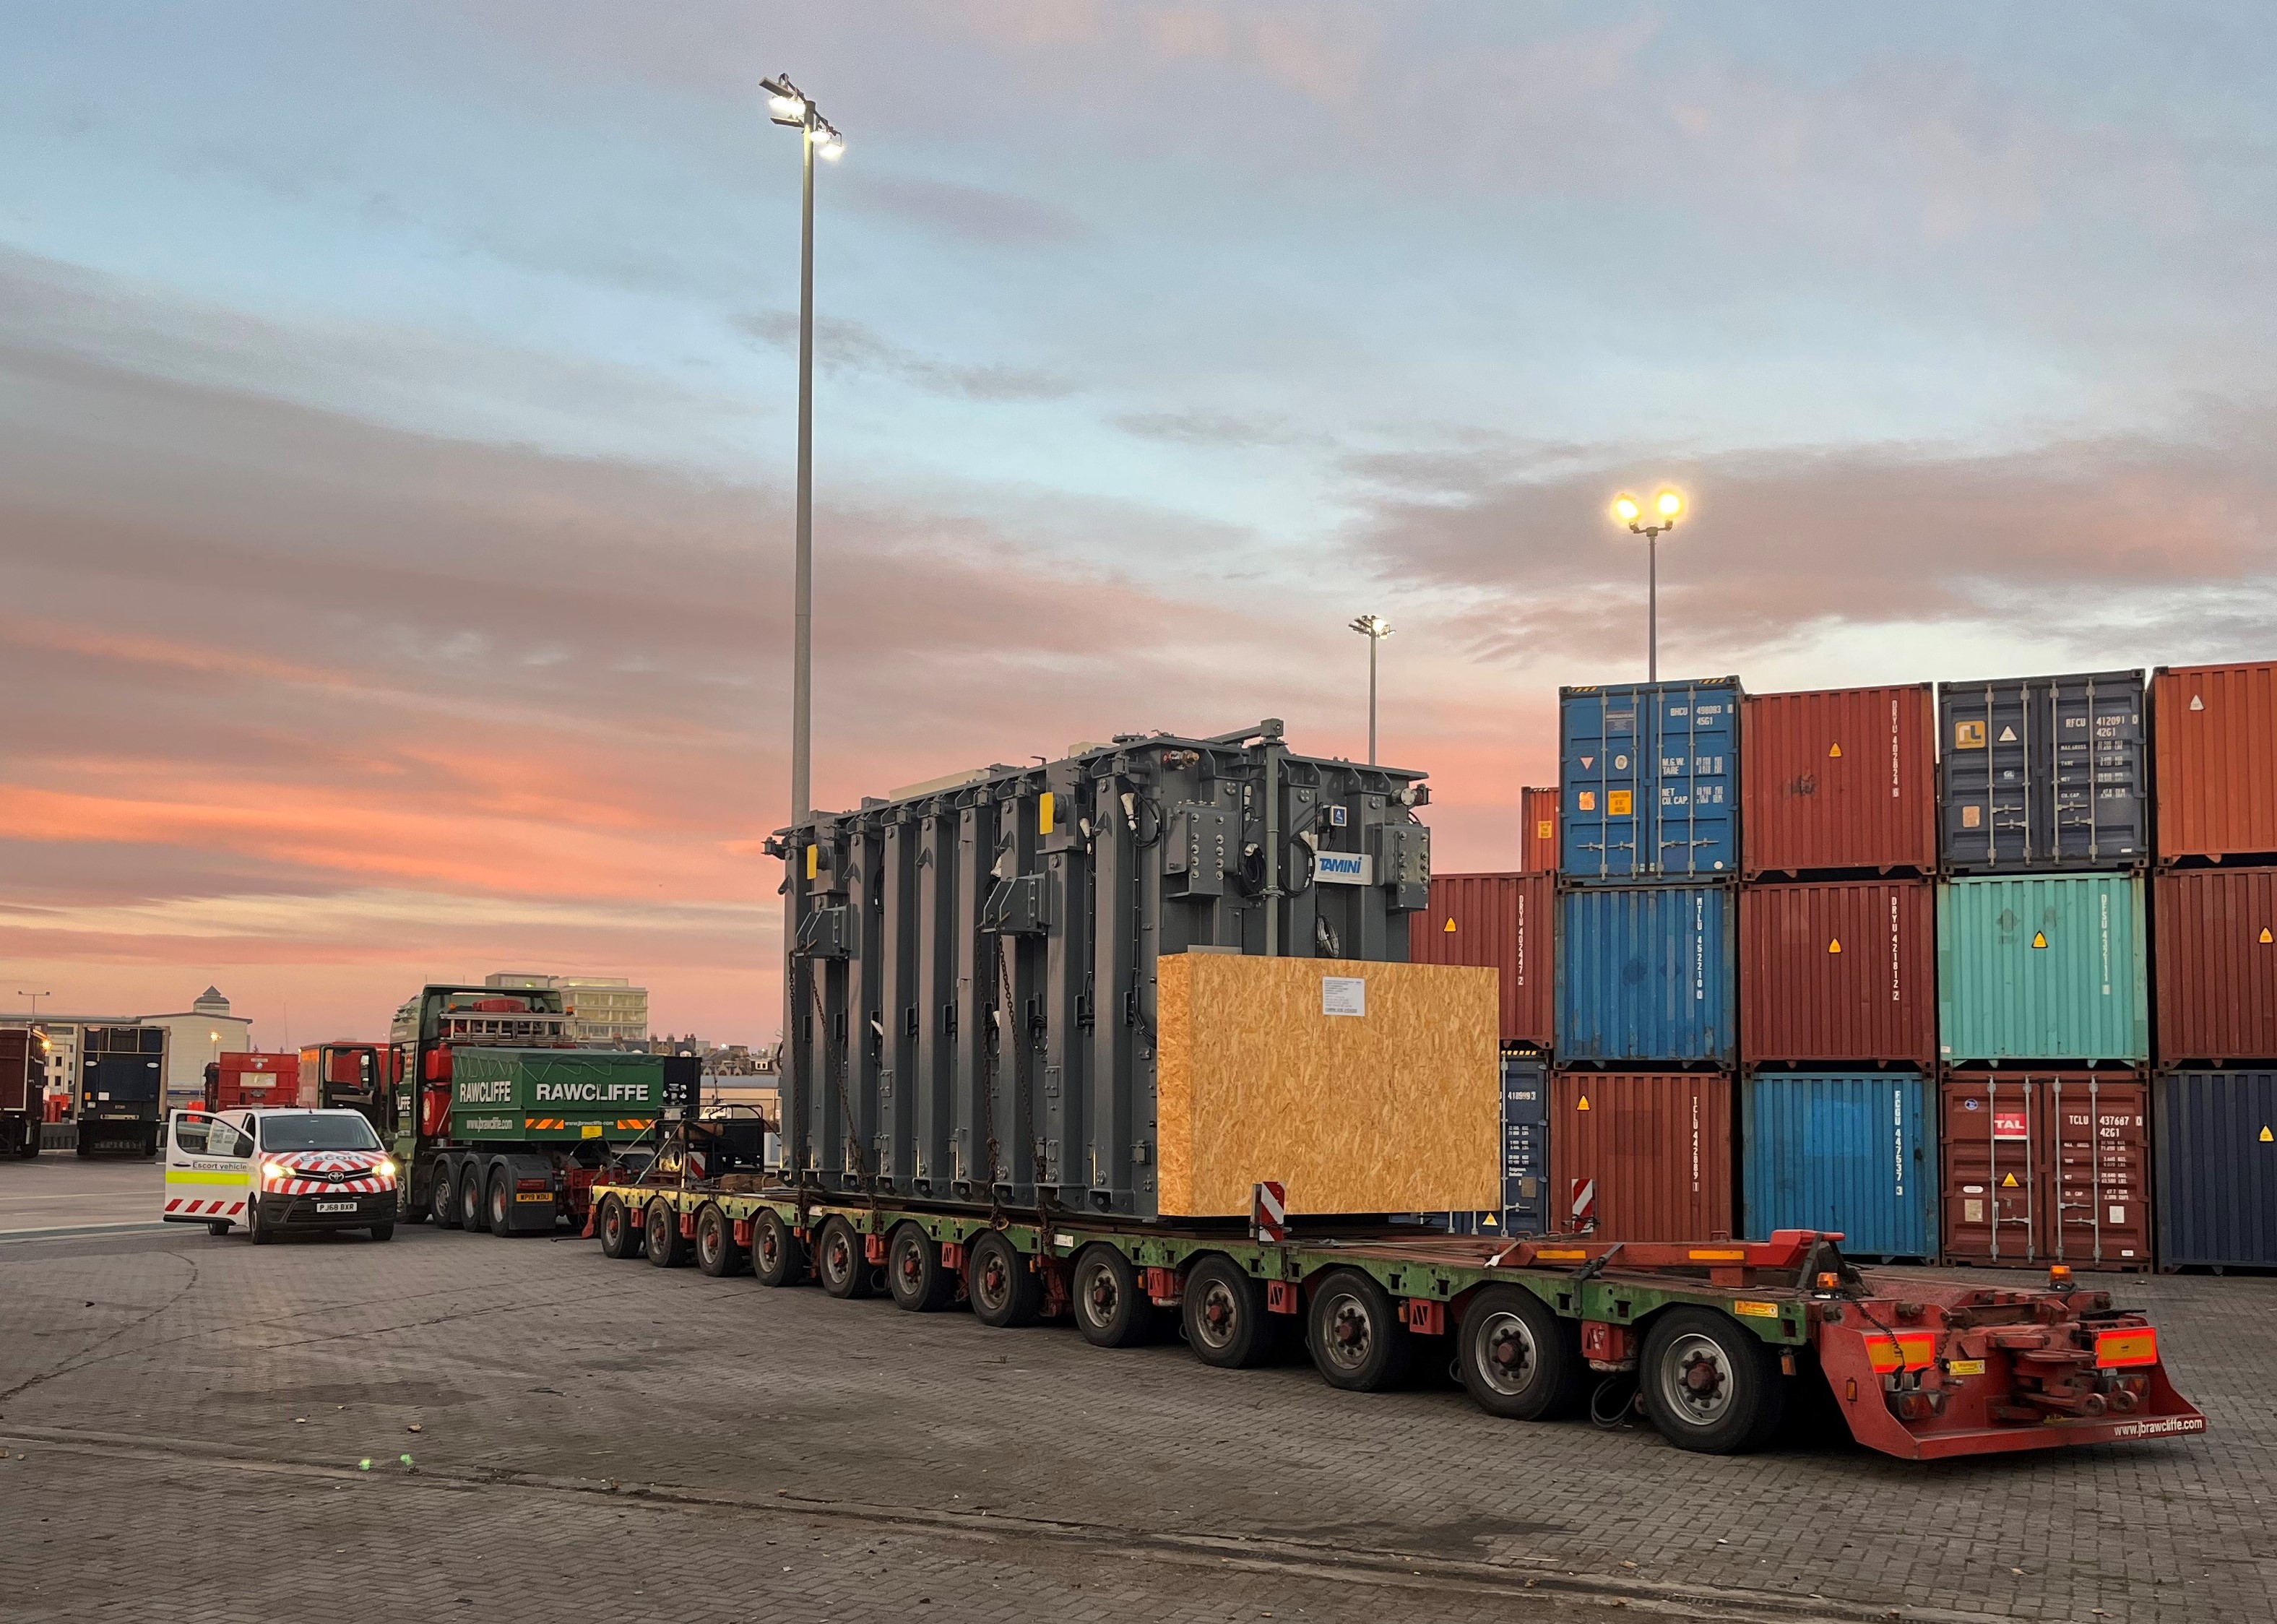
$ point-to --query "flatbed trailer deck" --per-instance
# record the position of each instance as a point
(1719, 1336)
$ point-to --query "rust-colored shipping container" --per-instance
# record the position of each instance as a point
(1506, 922)
(2214, 732)
(1641, 1156)
(2216, 963)
(2047, 1167)
(1537, 817)
(251, 1080)
(1837, 780)
(1838, 971)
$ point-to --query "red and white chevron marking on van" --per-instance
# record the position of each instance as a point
(325, 1172)
(223, 1207)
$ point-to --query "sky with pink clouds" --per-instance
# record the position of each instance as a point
(396, 412)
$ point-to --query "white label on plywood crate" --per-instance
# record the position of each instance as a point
(1343, 995)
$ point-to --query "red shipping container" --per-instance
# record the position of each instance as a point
(2215, 729)
(1641, 1156)
(23, 1069)
(1835, 779)
(1537, 818)
(251, 1080)
(1839, 971)
(2216, 930)
(1506, 922)
(2047, 1167)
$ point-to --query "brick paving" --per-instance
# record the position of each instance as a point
(214, 1401)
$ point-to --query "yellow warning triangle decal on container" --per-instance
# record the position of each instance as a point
(1834, 751)
(1834, 946)
(1584, 1105)
(2264, 932)
(2039, 938)
(1450, 924)
(2009, 1183)
(2267, 1138)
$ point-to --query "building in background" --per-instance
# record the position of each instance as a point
(602, 1009)
(194, 1037)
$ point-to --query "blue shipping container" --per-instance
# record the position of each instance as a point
(1648, 974)
(1850, 1151)
(1649, 780)
(2217, 1186)
(1525, 1154)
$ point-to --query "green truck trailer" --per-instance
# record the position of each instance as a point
(502, 1122)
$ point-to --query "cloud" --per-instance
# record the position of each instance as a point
(849, 346)
(976, 214)
(1222, 430)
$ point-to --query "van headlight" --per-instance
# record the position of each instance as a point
(278, 1169)
(385, 1168)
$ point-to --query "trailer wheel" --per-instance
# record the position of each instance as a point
(839, 1260)
(665, 1248)
(615, 1225)
(1111, 1307)
(1709, 1383)
(1518, 1359)
(914, 1274)
(471, 1199)
(1004, 1290)
(442, 1201)
(1357, 1341)
(1226, 1324)
(777, 1256)
(501, 1204)
(716, 1252)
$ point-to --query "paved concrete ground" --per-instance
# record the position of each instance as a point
(60, 1191)
(604, 1436)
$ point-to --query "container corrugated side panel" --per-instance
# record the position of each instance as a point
(2043, 774)
(1648, 779)
(2048, 968)
(2041, 1167)
(1839, 971)
(2216, 965)
(1647, 1154)
(1850, 1152)
(2216, 741)
(2217, 1155)
(1537, 817)
(16, 1069)
(1507, 923)
(1648, 974)
(1841, 779)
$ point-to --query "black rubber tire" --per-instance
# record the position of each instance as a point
(1224, 1316)
(472, 1217)
(914, 1274)
(660, 1234)
(716, 1254)
(255, 1231)
(1357, 1341)
(443, 1198)
(85, 1150)
(217, 1226)
(778, 1256)
(614, 1224)
(501, 1203)
(1517, 1358)
(1110, 1305)
(1709, 1383)
(1005, 1291)
(382, 1231)
(845, 1271)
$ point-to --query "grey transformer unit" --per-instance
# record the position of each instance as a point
(969, 1014)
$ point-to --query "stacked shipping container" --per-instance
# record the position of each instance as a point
(2215, 903)
(2043, 963)
(1837, 950)
(1649, 827)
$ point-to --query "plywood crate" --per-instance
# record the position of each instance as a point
(1360, 1087)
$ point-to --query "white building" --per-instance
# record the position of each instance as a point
(602, 1009)
(204, 1032)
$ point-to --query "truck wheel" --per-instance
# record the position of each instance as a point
(81, 1146)
(778, 1256)
(716, 1254)
(914, 1274)
(665, 1248)
(1709, 1383)
(382, 1231)
(839, 1260)
(441, 1202)
(1518, 1359)
(1357, 1341)
(1004, 1290)
(471, 1216)
(1111, 1308)
(616, 1227)
(502, 1205)
(1226, 1324)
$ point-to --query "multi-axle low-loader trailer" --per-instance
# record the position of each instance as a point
(1130, 1035)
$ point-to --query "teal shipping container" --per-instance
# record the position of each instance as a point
(2046, 968)
(1849, 1151)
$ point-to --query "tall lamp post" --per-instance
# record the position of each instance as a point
(1376, 629)
(1666, 506)
(788, 105)
(34, 997)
